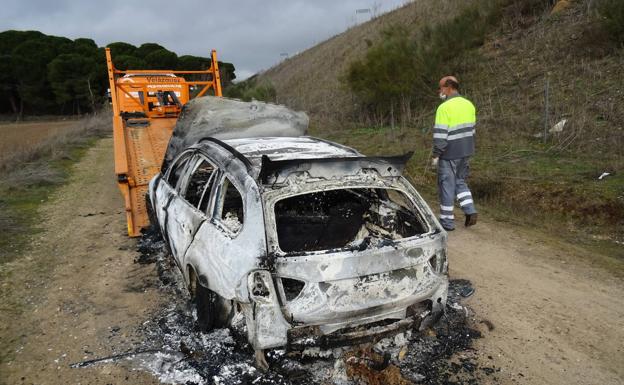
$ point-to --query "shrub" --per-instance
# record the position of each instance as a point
(612, 18)
(401, 70)
(250, 89)
(386, 76)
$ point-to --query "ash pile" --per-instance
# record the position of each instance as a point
(442, 354)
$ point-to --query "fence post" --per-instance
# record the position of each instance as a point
(546, 107)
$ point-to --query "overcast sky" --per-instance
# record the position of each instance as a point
(251, 34)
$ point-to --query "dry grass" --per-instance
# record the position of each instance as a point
(507, 80)
(22, 137)
(310, 80)
(37, 159)
(23, 143)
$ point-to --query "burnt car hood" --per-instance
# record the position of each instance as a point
(224, 118)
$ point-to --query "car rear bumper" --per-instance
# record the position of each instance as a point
(271, 330)
(300, 338)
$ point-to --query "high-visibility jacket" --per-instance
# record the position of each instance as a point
(454, 130)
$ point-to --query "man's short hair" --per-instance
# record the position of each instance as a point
(451, 83)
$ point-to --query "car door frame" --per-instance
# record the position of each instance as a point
(207, 216)
(211, 254)
(176, 197)
(164, 193)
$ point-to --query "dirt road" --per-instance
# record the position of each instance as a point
(77, 294)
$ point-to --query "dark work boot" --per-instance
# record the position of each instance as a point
(471, 220)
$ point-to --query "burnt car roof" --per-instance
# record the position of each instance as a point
(272, 159)
(284, 148)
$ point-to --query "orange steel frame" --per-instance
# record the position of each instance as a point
(140, 139)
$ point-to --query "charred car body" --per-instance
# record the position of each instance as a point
(314, 243)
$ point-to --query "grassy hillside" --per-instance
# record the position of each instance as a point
(518, 175)
(310, 80)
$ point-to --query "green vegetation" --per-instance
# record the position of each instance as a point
(396, 73)
(529, 186)
(399, 71)
(42, 74)
(251, 89)
(612, 18)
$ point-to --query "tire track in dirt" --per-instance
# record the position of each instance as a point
(77, 293)
(557, 319)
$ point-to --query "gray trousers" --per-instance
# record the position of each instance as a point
(452, 176)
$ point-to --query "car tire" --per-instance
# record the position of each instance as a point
(204, 300)
(213, 311)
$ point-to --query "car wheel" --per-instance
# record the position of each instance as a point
(213, 311)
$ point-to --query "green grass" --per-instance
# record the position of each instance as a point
(250, 90)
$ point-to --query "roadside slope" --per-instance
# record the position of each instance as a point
(310, 80)
(539, 67)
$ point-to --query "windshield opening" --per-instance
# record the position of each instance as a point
(356, 218)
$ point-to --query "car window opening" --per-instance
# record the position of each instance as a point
(357, 218)
(205, 199)
(198, 183)
(176, 172)
(232, 215)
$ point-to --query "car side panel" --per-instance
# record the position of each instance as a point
(222, 260)
(183, 221)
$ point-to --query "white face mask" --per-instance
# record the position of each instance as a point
(442, 96)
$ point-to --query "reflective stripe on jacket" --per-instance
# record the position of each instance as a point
(454, 130)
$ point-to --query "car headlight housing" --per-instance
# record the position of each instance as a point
(438, 262)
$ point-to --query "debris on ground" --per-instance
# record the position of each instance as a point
(176, 352)
(604, 175)
(150, 246)
(558, 127)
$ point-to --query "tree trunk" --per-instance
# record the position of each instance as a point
(13, 103)
(91, 94)
(21, 110)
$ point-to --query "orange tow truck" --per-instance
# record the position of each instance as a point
(146, 105)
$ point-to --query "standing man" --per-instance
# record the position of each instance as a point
(453, 145)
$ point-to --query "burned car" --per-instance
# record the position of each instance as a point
(312, 242)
